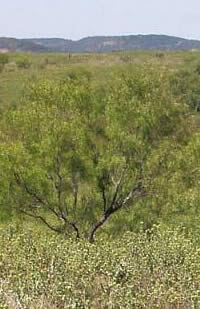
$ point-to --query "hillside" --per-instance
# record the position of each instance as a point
(16, 45)
(100, 44)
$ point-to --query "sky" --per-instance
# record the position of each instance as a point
(76, 19)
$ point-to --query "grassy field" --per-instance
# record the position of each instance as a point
(98, 67)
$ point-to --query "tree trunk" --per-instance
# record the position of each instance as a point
(95, 227)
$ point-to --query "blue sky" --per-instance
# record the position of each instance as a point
(76, 19)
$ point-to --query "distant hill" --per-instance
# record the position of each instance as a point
(16, 45)
(100, 44)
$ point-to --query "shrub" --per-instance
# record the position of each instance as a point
(3, 59)
(1, 68)
(185, 85)
(153, 269)
(23, 63)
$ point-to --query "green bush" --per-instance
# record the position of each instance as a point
(3, 59)
(185, 85)
(23, 63)
(1, 68)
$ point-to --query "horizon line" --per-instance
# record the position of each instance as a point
(97, 36)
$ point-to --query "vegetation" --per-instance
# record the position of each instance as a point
(152, 269)
(3, 59)
(23, 63)
(90, 147)
(82, 159)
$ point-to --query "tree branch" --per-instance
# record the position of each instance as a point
(37, 198)
(118, 203)
(40, 218)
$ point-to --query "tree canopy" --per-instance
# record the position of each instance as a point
(72, 159)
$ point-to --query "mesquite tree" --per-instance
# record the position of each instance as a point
(72, 160)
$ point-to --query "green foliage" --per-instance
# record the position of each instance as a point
(79, 158)
(23, 62)
(94, 142)
(79, 73)
(102, 114)
(152, 269)
(1, 68)
(3, 59)
(159, 54)
(186, 86)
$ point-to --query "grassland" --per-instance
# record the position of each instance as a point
(99, 67)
